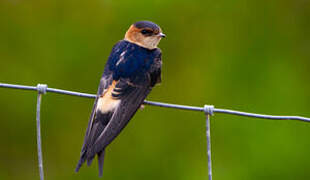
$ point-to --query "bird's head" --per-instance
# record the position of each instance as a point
(144, 33)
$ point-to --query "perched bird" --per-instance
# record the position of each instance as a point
(132, 70)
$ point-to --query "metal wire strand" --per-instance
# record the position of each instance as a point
(167, 105)
(41, 90)
(208, 134)
(208, 109)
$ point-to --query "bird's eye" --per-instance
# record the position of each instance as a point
(146, 32)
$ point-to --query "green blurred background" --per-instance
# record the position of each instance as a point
(246, 55)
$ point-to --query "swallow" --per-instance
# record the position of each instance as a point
(131, 71)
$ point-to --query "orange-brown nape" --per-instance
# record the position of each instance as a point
(145, 34)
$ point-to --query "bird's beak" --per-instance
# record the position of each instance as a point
(162, 35)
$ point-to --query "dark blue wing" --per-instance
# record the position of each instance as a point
(134, 71)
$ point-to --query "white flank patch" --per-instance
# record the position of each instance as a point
(107, 104)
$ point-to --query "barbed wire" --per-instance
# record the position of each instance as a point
(209, 110)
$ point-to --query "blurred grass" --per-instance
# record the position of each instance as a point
(244, 55)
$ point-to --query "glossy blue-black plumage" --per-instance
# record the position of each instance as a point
(133, 71)
(128, 60)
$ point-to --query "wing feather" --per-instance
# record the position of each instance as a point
(131, 99)
(92, 129)
(122, 90)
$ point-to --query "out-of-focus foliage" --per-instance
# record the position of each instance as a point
(246, 55)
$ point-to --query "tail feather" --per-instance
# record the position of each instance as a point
(87, 155)
(100, 162)
(89, 161)
(80, 163)
(84, 158)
